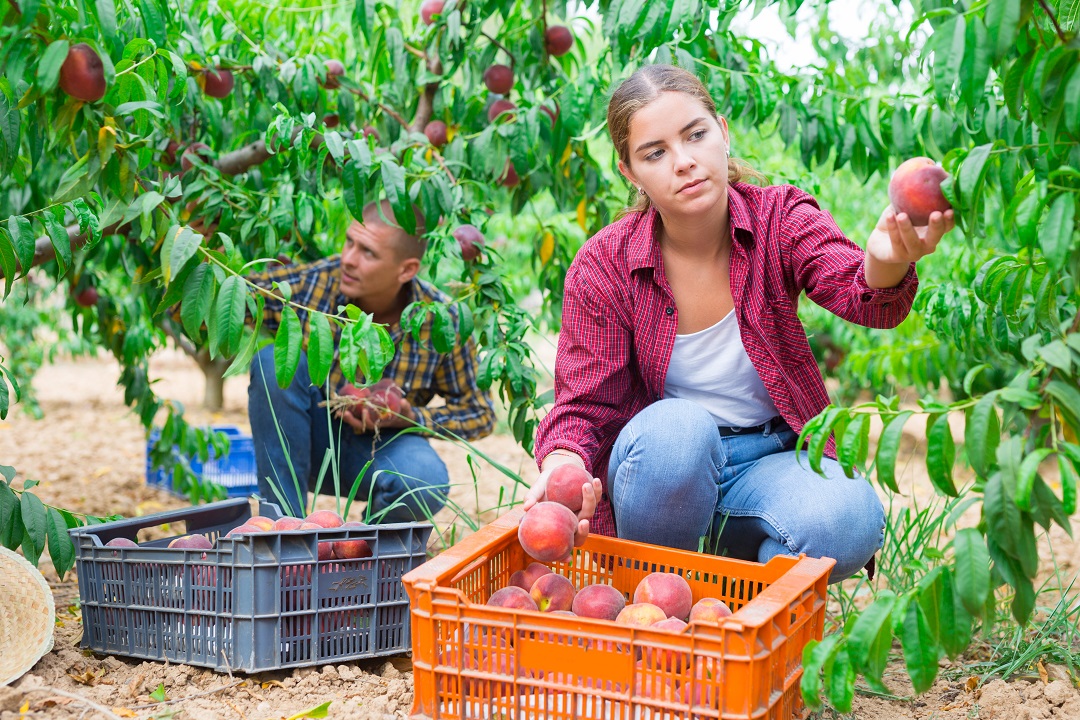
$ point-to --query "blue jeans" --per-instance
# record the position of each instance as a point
(673, 479)
(405, 470)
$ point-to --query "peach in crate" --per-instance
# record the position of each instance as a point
(558, 667)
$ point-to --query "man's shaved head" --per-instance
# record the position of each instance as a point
(408, 246)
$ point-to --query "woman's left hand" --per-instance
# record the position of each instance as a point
(895, 240)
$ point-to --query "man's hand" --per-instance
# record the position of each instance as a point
(385, 408)
(590, 495)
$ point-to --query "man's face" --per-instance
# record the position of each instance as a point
(370, 266)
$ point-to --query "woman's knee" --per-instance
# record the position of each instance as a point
(857, 519)
(675, 430)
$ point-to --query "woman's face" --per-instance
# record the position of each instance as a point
(678, 154)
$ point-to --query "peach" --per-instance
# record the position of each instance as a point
(352, 549)
(915, 189)
(201, 150)
(191, 542)
(524, 579)
(470, 240)
(287, 523)
(386, 397)
(512, 597)
(121, 542)
(669, 660)
(429, 9)
(326, 548)
(509, 178)
(436, 133)
(705, 687)
(218, 83)
(261, 521)
(669, 591)
(244, 529)
(547, 532)
(553, 592)
(654, 685)
(558, 40)
(334, 70)
(709, 610)
(599, 601)
(499, 79)
(82, 74)
(640, 615)
(565, 485)
(325, 519)
(499, 107)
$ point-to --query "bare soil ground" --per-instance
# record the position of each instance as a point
(89, 456)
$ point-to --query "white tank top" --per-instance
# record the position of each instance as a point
(711, 368)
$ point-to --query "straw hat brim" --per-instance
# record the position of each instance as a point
(27, 616)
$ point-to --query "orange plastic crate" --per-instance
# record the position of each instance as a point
(475, 661)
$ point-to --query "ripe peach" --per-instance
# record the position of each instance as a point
(218, 83)
(82, 75)
(121, 542)
(553, 592)
(599, 601)
(669, 591)
(915, 189)
(334, 70)
(370, 130)
(512, 597)
(325, 519)
(640, 615)
(287, 523)
(244, 529)
(709, 610)
(196, 148)
(326, 547)
(704, 689)
(260, 521)
(88, 297)
(500, 106)
(430, 8)
(524, 579)
(470, 240)
(386, 397)
(547, 532)
(191, 542)
(652, 684)
(558, 40)
(168, 155)
(499, 79)
(509, 178)
(352, 549)
(565, 484)
(436, 133)
(670, 660)
(331, 120)
(553, 114)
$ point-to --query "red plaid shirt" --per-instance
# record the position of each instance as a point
(620, 318)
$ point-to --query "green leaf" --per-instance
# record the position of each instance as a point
(287, 342)
(972, 563)
(7, 261)
(198, 299)
(971, 173)
(954, 618)
(1025, 479)
(816, 448)
(180, 245)
(815, 655)
(840, 680)
(35, 520)
(319, 711)
(1002, 20)
(393, 178)
(159, 693)
(941, 454)
(48, 69)
(153, 21)
(948, 42)
(106, 16)
(229, 314)
(1067, 401)
(443, 333)
(352, 188)
(61, 549)
(242, 362)
(320, 350)
(871, 635)
(921, 652)
(887, 449)
(22, 235)
(1023, 601)
(11, 527)
(982, 432)
(465, 322)
(999, 504)
(976, 66)
(1056, 234)
(58, 235)
(1068, 484)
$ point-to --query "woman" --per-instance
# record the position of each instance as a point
(683, 373)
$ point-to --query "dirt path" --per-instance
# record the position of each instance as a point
(89, 455)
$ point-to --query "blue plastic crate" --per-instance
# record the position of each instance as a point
(255, 602)
(234, 471)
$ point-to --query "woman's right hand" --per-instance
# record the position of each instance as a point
(590, 493)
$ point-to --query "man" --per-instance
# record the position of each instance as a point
(406, 480)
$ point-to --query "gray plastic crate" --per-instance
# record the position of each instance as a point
(254, 602)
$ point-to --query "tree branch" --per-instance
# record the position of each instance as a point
(1050, 14)
(426, 107)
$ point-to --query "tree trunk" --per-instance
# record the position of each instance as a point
(213, 372)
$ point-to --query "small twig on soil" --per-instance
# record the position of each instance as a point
(186, 698)
(75, 696)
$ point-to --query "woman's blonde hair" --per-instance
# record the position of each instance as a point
(642, 88)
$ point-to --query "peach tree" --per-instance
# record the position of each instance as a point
(155, 155)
